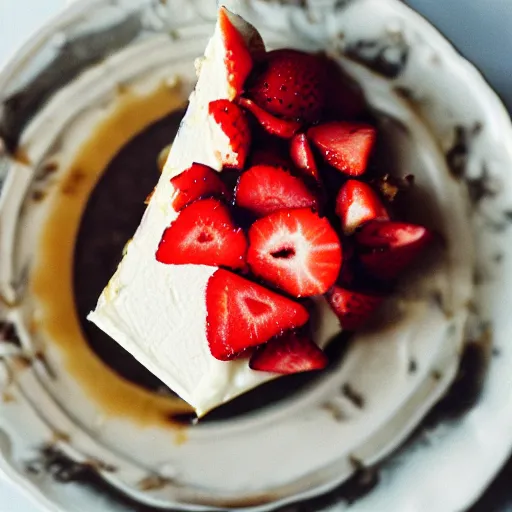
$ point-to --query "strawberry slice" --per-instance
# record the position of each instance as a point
(264, 189)
(197, 181)
(353, 309)
(203, 234)
(345, 146)
(238, 59)
(387, 248)
(290, 84)
(295, 250)
(243, 314)
(273, 125)
(290, 353)
(302, 155)
(233, 123)
(357, 203)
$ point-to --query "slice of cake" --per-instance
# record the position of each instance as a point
(261, 241)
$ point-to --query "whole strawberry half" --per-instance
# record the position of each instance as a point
(296, 251)
(290, 84)
(243, 314)
(387, 248)
(203, 234)
(289, 353)
(264, 189)
(356, 204)
(232, 122)
(345, 146)
(198, 181)
(352, 308)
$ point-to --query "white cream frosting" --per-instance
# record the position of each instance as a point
(157, 312)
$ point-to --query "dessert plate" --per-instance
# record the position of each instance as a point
(68, 416)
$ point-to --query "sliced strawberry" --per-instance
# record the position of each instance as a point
(273, 125)
(345, 146)
(295, 250)
(357, 203)
(238, 59)
(203, 234)
(195, 182)
(387, 248)
(290, 84)
(302, 155)
(264, 189)
(290, 353)
(243, 314)
(353, 309)
(232, 121)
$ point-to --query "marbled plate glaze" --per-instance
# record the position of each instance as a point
(455, 136)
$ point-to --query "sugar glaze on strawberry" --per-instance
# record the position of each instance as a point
(245, 223)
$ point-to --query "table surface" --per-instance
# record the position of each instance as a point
(480, 29)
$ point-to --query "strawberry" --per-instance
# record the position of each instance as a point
(203, 234)
(352, 308)
(295, 250)
(238, 59)
(233, 123)
(273, 125)
(243, 314)
(302, 156)
(345, 146)
(265, 188)
(290, 84)
(290, 353)
(356, 204)
(195, 182)
(387, 248)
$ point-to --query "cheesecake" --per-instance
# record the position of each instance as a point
(268, 232)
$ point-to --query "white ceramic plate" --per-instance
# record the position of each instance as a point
(444, 125)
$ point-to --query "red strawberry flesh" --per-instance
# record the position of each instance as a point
(296, 251)
(302, 155)
(243, 314)
(288, 354)
(345, 146)
(238, 59)
(388, 248)
(198, 181)
(356, 204)
(232, 121)
(290, 84)
(203, 234)
(353, 309)
(264, 189)
(282, 128)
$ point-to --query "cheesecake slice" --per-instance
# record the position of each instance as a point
(261, 240)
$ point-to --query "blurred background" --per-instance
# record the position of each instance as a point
(480, 29)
